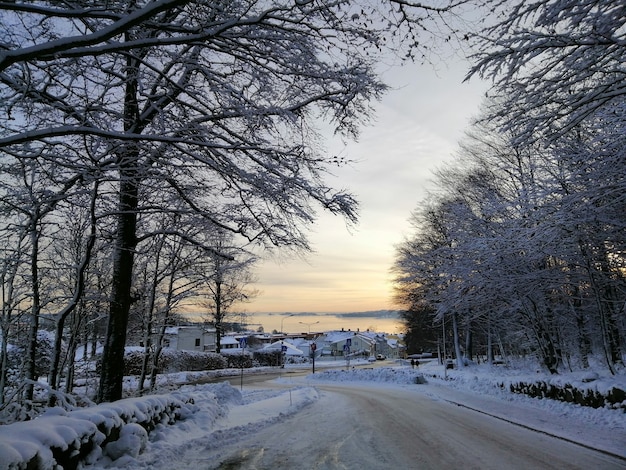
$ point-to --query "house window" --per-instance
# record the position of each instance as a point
(197, 342)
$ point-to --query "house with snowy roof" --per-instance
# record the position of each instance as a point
(190, 338)
(341, 343)
(230, 344)
(291, 349)
(385, 344)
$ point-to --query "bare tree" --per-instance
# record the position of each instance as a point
(558, 62)
(221, 96)
(225, 281)
(529, 240)
(82, 257)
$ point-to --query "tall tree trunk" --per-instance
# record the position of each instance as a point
(219, 325)
(468, 339)
(598, 280)
(79, 287)
(457, 342)
(149, 318)
(550, 355)
(611, 300)
(112, 368)
(71, 351)
(30, 360)
(8, 279)
(4, 338)
(112, 371)
(489, 340)
(584, 343)
(159, 340)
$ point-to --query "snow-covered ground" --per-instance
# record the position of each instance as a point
(222, 414)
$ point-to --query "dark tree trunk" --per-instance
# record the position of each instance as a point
(30, 360)
(218, 317)
(112, 371)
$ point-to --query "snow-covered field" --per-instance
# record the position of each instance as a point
(221, 414)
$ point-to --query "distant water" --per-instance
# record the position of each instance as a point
(382, 322)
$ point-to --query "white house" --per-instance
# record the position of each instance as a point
(189, 338)
(338, 343)
(229, 344)
(278, 345)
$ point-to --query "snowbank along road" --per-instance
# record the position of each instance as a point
(355, 426)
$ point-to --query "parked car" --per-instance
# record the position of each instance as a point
(380, 357)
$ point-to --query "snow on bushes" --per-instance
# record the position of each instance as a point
(238, 361)
(585, 396)
(268, 358)
(171, 360)
(382, 374)
(584, 388)
(61, 439)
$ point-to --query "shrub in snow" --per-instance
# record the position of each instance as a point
(171, 361)
(268, 358)
(382, 374)
(584, 396)
(43, 355)
(176, 361)
(296, 360)
(60, 439)
(238, 361)
(132, 441)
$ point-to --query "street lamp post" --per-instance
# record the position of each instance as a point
(309, 324)
(313, 345)
(282, 320)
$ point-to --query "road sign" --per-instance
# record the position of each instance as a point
(346, 348)
(243, 341)
(283, 348)
(349, 342)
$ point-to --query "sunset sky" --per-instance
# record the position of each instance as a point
(417, 128)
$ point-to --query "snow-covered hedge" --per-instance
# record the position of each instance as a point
(174, 361)
(584, 388)
(66, 439)
(238, 361)
(584, 396)
(268, 358)
(379, 374)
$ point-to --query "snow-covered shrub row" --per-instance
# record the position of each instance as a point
(379, 374)
(238, 361)
(62, 439)
(584, 396)
(268, 358)
(171, 360)
(584, 388)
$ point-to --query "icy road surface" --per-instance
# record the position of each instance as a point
(361, 427)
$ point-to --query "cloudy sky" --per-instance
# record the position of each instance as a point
(417, 129)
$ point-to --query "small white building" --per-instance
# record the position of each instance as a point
(190, 338)
(229, 343)
(340, 343)
(278, 346)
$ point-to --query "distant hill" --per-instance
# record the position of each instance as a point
(368, 314)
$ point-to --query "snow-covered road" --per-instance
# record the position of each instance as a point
(357, 426)
(376, 418)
